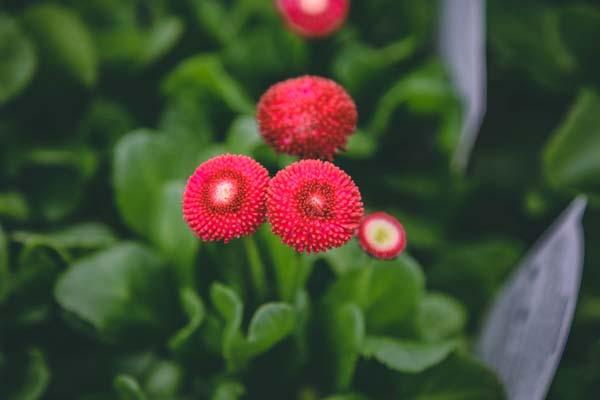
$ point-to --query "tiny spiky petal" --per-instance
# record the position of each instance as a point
(314, 18)
(310, 117)
(382, 236)
(313, 206)
(225, 198)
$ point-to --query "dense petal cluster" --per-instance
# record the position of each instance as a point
(313, 206)
(310, 117)
(382, 236)
(225, 197)
(314, 18)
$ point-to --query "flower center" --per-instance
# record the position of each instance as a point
(382, 234)
(315, 199)
(224, 192)
(313, 7)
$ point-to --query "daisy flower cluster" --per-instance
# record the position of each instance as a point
(312, 204)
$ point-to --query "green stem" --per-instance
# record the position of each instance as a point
(257, 269)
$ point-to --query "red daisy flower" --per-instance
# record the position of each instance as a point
(313, 206)
(225, 197)
(314, 18)
(310, 117)
(382, 236)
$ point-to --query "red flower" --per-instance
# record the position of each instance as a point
(313, 206)
(310, 117)
(314, 18)
(382, 236)
(225, 197)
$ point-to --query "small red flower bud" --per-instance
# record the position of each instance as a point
(313, 206)
(225, 198)
(382, 236)
(310, 117)
(314, 18)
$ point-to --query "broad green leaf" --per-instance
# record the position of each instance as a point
(270, 324)
(194, 309)
(28, 377)
(128, 388)
(346, 330)
(161, 38)
(406, 356)
(228, 390)
(164, 380)
(360, 146)
(347, 258)
(19, 59)
(85, 236)
(230, 307)
(396, 288)
(170, 233)
(125, 292)
(138, 173)
(458, 377)
(243, 136)
(530, 40)
(286, 265)
(571, 157)
(204, 74)
(440, 317)
(5, 276)
(357, 63)
(63, 41)
(13, 206)
(425, 91)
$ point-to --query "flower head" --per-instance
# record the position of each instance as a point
(314, 18)
(382, 236)
(225, 197)
(313, 206)
(310, 117)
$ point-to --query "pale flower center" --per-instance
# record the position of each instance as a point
(382, 235)
(313, 7)
(224, 192)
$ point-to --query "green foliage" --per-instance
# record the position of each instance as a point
(108, 106)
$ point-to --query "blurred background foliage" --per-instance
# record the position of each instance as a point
(106, 106)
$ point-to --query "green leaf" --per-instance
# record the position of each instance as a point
(28, 377)
(426, 90)
(128, 388)
(19, 59)
(195, 311)
(205, 74)
(458, 377)
(396, 288)
(347, 258)
(138, 172)
(570, 157)
(14, 206)
(85, 235)
(360, 146)
(357, 63)
(63, 41)
(161, 38)
(243, 136)
(171, 234)
(230, 307)
(347, 397)
(228, 390)
(5, 276)
(124, 292)
(164, 380)
(270, 324)
(440, 317)
(346, 327)
(406, 356)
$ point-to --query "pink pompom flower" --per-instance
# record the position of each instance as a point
(313, 206)
(382, 236)
(310, 117)
(314, 18)
(225, 198)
